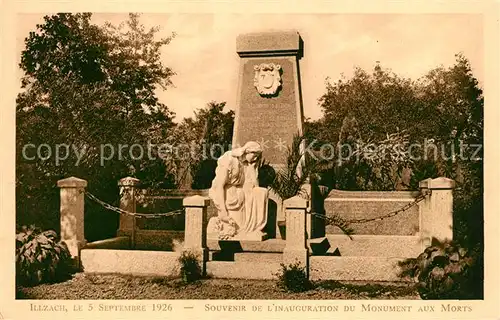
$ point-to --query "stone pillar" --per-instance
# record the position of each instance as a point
(128, 193)
(296, 246)
(195, 233)
(436, 211)
(72, 214)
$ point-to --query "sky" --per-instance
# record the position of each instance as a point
(203, 53)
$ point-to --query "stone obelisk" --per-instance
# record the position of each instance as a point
(269, 99)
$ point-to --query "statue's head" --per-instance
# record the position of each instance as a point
(251, 152)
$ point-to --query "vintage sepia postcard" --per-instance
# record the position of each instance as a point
(250, 160)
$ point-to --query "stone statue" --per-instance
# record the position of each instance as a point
(235, 191)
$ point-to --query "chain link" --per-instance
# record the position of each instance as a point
(418, 199)
(134, 214)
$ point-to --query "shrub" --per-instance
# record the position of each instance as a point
(190, 267)
(293, 278)
(446, 271)
(40, 257)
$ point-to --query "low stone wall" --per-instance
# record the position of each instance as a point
(369, 204)
(371, 254)
(374, 246)
(355, 268)
(136, 262)
(163, 240)
(402, 235)
(112, 243)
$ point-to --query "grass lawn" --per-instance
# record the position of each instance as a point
(111, 286)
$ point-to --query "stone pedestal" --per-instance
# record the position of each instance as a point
(261, 236)
(195, 234)
(72, 192)
(436, 211)
(296, 245)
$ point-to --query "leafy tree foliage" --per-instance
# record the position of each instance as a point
(88, 86)
(444, 108)
(361, 104)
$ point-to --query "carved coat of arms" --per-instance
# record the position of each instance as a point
(267, 78)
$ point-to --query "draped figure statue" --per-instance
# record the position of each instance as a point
(235, 191)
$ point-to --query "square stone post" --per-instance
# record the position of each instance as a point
(296, 246)
(195, 233)
(128, 192)
(315, 226)
(72, 205)
(307, 194)
(436, 211)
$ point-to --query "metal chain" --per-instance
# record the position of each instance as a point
(135, 214)
(418, 199)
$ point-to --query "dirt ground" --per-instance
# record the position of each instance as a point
(110, 286)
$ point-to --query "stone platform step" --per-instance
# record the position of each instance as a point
(316, 246)
(243, 270)
(245, 265)
(258, 257)
(321, 268)
(262, 257)
(269, 245)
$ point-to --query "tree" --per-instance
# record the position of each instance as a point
(202, 139)
(458, 101)
(380, 103)
(86, 87)
(369, 107)
(445, 106)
